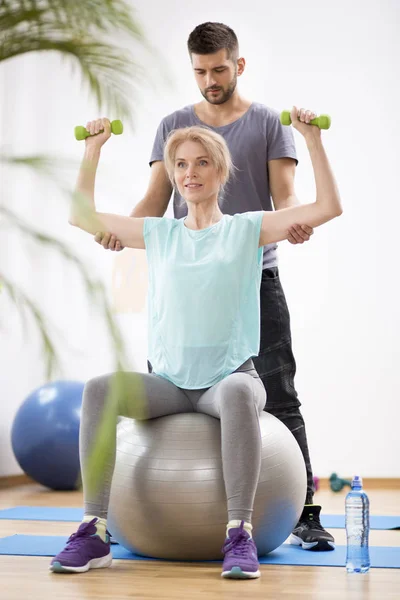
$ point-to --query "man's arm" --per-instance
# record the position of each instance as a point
(158, 195)
(154, 203)
(281, 183)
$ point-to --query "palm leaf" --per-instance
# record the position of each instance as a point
(85, 32)
(95, 289)
(81, 31)
(120, 394)
(49, 166)
(92, 287)
(26, 305)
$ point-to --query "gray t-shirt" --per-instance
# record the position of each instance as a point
(253, 139)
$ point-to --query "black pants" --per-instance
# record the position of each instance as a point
(277, 367)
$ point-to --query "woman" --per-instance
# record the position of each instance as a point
(204, 279)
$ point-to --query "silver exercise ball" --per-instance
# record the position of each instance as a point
(168, 497)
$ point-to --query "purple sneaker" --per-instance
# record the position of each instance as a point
(84, 550)
(240, 561)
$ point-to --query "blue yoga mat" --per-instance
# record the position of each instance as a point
(42, 513)
(375, 521)
(48, 513)
(381, 557)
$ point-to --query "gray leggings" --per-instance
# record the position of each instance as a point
(237, 401)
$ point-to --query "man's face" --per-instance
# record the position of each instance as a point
(216, 76)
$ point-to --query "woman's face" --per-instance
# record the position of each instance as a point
(195, 175)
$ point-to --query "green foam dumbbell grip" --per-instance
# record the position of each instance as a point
(323, 121)
(81, 133)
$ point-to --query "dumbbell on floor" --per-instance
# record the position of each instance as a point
(337, 483)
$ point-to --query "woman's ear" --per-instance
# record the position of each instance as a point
(223, 179)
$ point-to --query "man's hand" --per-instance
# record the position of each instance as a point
(108, 241)
(299, 234)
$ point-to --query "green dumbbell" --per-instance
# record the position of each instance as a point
(337, 483)
(323, 121)
(81, 133)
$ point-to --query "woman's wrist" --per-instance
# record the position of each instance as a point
(313, 141)
(92, 154)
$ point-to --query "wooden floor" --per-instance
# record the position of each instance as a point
(25, 578)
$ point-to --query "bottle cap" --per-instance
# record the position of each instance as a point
(357, 482)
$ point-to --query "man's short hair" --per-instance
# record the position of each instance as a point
(209, 38)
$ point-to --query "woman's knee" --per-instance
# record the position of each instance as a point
(244, 392)
(125, 391)
(95, 391)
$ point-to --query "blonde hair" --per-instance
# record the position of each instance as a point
(212, 142)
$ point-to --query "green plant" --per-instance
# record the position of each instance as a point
(81, 32)
(84, 32)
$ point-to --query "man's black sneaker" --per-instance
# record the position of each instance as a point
(309, 533)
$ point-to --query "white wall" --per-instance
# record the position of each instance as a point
(341, 287)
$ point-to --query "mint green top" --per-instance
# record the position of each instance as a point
(204, 297)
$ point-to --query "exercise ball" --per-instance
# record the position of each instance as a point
(45, 434)
(168, 497)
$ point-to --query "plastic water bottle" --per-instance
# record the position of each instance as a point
(357, 528)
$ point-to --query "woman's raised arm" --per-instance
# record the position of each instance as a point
(275, 225)
(83, 214)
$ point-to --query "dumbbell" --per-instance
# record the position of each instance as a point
(337, 483)
(81, 133)
(323, 121)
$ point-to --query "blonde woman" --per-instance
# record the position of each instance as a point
(204, 323)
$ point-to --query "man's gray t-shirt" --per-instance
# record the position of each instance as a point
(255, 138)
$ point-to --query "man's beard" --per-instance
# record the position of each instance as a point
(226, 94)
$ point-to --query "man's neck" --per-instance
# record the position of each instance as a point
(218, 115)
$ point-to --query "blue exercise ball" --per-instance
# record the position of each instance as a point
(45, 434)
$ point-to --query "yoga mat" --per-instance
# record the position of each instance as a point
(42, 513)
(381, 557)
(375, 522)
(47, 513)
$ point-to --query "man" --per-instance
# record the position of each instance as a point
(263, 152)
